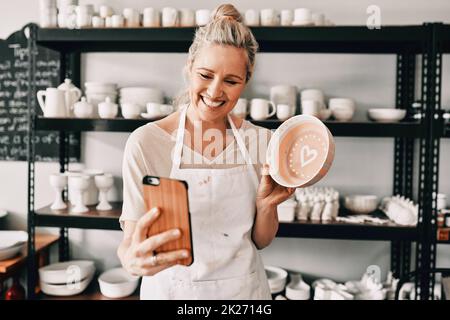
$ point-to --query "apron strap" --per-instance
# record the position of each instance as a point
(180, 140)
(244, 152)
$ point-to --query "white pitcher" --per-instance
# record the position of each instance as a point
(72, 94)
(54, 105)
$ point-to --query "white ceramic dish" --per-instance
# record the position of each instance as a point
(151, 117)
(62, 273)
(300, 152)
(361, 204)
(117, 283)
(9, 238)
(10, 252)
(386, 115)
(299, 290)
(276, 278)
(65, 290)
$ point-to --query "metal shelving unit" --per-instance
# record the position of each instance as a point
(404, 41)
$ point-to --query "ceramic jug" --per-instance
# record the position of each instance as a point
(72, 94)
(54, 105)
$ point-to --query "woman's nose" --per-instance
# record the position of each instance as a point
(214, 89)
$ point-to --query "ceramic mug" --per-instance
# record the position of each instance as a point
(187, 17)
(268, 17)
(311, 107)
(251, 17)
(283, 112)
(240, 109)
(287, 16)
(151, 18)
(169, 17)
(259, 109)
(132, 18)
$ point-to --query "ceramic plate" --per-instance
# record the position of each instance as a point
(300, 152)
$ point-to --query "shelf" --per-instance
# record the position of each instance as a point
(42, 242)
(443, 37)
(92, 292)
(446, 130)
(333, 39)
(328, 230)
(349, 129)
(340, 230)
(93, 219)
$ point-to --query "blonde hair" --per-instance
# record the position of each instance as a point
(225, 28)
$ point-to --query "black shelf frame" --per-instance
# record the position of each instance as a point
(404, 41)
(411, 129)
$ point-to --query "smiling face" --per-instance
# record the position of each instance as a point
(217, 79)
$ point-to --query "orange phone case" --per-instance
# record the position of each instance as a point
(171, 197)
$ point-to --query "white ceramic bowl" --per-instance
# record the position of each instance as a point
(63, 272)
(341, 103)
(342, 114)
(66, 289)
(361, 204)
(9, 239)
(276, 278)
(298, 291)
(117, 283)
(386, 115)
(10, 252)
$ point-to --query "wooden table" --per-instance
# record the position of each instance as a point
(9, 268)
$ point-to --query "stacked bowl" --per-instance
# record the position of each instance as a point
(342, 109)
(97, 92)
(277, 278)
(66, 278)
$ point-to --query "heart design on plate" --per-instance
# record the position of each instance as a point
(307, 155)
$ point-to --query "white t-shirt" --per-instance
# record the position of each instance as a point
(149, 149)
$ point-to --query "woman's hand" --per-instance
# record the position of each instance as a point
(137, 251)
(270, 193)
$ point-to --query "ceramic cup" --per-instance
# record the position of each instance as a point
(318, 19)
(251, 17)
(48, 17)
(58, 181)
(104, 183)
(132, 18)
(187, 17)
(84, 16)
(260, 109)
(287, 16)
(268, 17)
(311, 107)
(98, 22)
(240, 109)
(202, 17)
(105, 11)
(117, 21)
(302, 16)
(151, 18)
(283, 112)
(169, 17)
(130, 110)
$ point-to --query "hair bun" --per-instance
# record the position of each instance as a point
(226, 11)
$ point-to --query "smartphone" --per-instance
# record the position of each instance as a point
(171, 197)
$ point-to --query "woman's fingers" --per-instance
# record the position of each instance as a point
(157, 240)
(154, 270)
(165, 258)
(143, 224)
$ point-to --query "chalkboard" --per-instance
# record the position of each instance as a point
(13, 101)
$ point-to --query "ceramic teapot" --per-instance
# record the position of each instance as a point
(54, 104)
(71, 92)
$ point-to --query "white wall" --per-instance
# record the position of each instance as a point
(361, 165)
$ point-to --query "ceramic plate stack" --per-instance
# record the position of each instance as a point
(11, 243)
(97, 92)
(141, 96)
(67, 278)
(277, 278)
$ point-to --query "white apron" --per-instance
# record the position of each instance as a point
(226, 264)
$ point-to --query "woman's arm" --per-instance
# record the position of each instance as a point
(269, 195)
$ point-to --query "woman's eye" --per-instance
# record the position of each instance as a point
(204, 76)
(231, 82)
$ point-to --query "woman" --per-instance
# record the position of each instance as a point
(232, 213)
